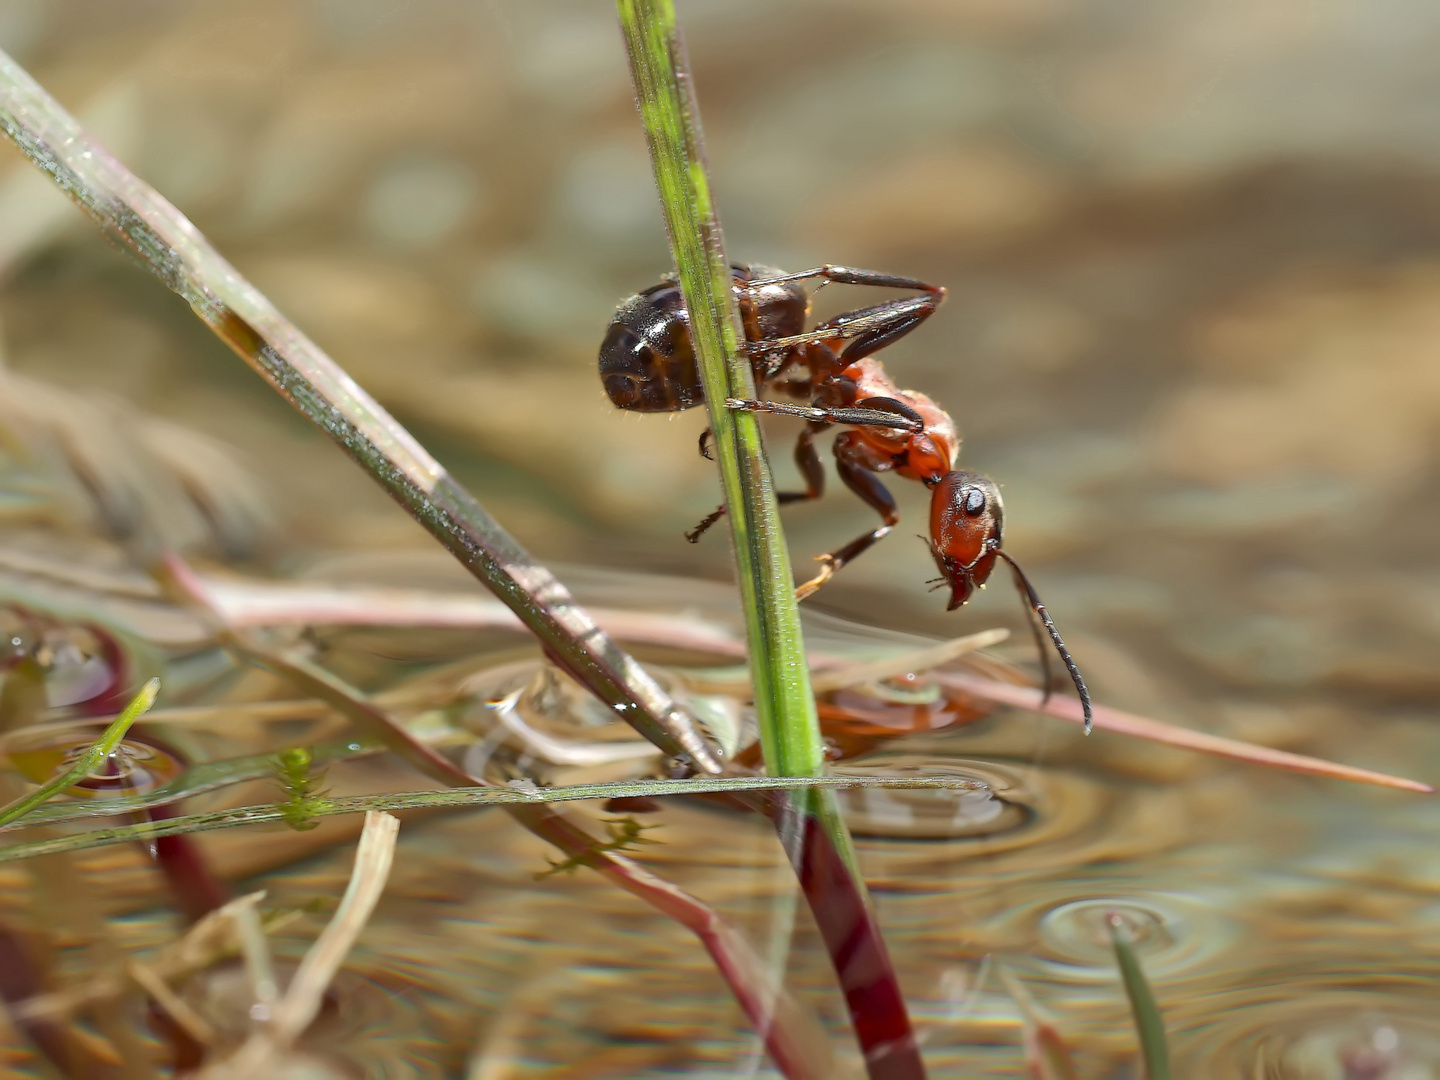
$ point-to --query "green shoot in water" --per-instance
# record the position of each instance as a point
(89, 761)
(1148, 1023)
(625, 834)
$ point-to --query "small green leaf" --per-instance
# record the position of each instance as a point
(303, 796)
(625, 833)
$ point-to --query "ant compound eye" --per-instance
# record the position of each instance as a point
(975, 502)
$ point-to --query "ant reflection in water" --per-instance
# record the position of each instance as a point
(648, 364)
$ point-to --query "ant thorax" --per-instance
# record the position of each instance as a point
(928, 454)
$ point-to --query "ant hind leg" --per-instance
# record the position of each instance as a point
(860, 479)
(709, 519)
(808, 461)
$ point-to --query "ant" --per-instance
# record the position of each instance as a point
(648, 364)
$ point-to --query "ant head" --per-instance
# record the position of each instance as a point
(967, 520)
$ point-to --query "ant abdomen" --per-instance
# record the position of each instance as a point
(647, 359)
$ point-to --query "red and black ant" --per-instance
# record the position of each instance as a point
(648, 364)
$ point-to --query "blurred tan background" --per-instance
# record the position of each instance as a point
(1193, 252)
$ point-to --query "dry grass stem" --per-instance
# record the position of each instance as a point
(213, 939)
(263, 1054)
(1123, 723)
(195, 1025)
(1047, 1055)
(373, 859)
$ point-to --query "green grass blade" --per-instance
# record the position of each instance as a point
(784, 705)
(1149, 1024)
(455, 798)
(89, 761)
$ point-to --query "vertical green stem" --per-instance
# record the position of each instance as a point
(810, 825)
(785, 707)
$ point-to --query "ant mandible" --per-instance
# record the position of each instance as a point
(648, 364)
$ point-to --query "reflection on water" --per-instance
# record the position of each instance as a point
(139, 764)
(1282, 920)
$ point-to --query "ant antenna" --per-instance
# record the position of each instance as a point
(1047, 679)
(1028, 591)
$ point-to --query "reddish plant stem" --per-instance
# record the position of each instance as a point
(795, 1043)
(196, 889)
(852, 937)
(20, 979)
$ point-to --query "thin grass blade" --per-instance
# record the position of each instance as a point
(452, 798)
(143, 222)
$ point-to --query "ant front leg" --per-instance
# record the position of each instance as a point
(857, 468)
(808, 461)
(867, 329)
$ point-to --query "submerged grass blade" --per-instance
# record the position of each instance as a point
(794, 1038)
(89, 761)
(138, 218)
(1149, 1025)
(1047, 1055)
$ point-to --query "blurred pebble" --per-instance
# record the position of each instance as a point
(350, 297)
(418, 201)
(607, 194)
(989, 191)
(1261, 649)
(1265, 503)
(523, 295)
(569, 55)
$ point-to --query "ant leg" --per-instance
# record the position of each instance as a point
(868, 329)
(872, 412)
(872, 341)
(709, 519)
(808, 461)
(849, 275)
(854, 469)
